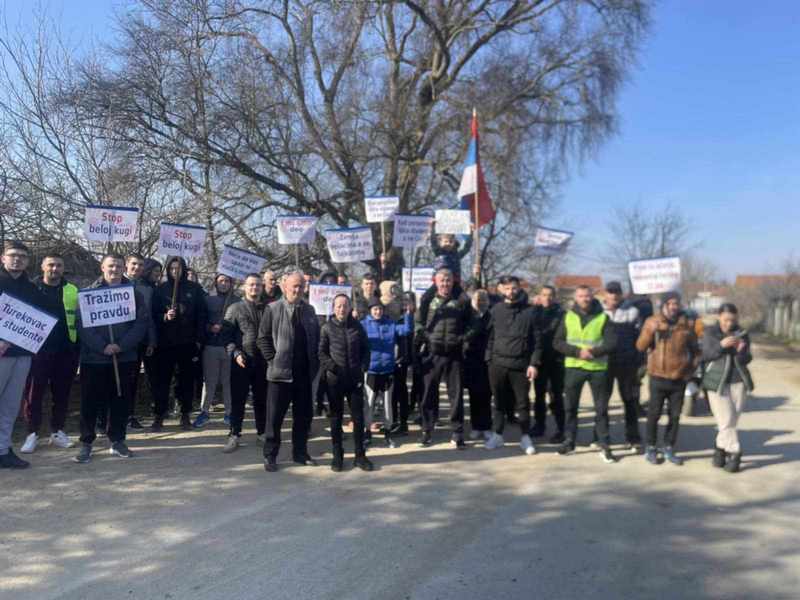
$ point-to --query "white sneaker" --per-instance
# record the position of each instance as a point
(231, 444)
(527, 446)
(61, 439)
(476, 434)
(495, 442)
(30, 443)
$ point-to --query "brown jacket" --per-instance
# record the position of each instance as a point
(672, 349)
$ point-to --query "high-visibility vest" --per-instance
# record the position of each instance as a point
(589, 336)
(70, 300)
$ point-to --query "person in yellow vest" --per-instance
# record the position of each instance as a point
(56, 363)
(586, 337)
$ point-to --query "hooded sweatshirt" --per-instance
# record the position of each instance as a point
(514, 341)
(189, 326)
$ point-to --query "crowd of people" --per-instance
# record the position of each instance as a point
(380, 351)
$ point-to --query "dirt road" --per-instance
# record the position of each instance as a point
(182, 520)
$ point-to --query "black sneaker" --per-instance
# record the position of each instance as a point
(120, 449)
(458, 441)
(390, 443)
(363, 463)
(635, 445)
(270, 465)
(607, 456)
(557, 438)
(134, 423)
(426, 439)
(566, 447)
(305, 460)
(186, 422)
(719, 458)
(12, 461)
(100, 429)
(84, 454)
(733, 463)
(157, 425)
(337, 464)
(401, 430)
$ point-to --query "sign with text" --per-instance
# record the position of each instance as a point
(655, 275)
(321, 297)
(23, 325)
(418, 279)
(380, 209)
(411, 231)
(296, 229)
(453, 221)
(350, 245)
(238, 263)
(110, 223)
(107, 305)
(182, 240)
(549, 242)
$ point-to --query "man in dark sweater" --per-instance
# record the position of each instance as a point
(15, 362)
(57, 361)
(140, 272)
(550, 376)
(288, 337)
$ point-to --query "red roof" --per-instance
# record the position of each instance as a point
(756, 281)
(572, 281)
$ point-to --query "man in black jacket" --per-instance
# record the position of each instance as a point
(344, 356)
(513, 352)
(181, 328)
(139, 271)
(442, 339)
(550, 374)
(476, 371)
(249, 371)
(15, 362)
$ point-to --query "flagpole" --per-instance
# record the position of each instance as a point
(476, 233)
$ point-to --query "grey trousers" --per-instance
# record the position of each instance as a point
(216, 369)
(727, 407)
(13, 374)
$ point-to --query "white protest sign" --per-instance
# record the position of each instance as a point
(453, 221)
(321, 297)
(238, 263)
(411, 231)
(110, 223)
(296, 229)
(549, 242)
(655, 275)
(182, 240)
(418, 279)
(107, 305)
(23, 325)
(350, 245)
(380, 209)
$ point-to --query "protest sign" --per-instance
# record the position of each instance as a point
(181, 240)
(380, 209)
(350, 245)
(296, 229)
(107, 305)
(321, 297)
(23, 325)
(453, 221)
(418, 279)
(238, 263)
(110, 223)
(549, 242)
(411, 231)
(655, 275)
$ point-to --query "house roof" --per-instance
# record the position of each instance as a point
(572, 281)
(756, 281)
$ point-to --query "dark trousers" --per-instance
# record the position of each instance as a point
(400, 402)
(510, 390)
(279, 396)
(551, 375)
(167, 359)
(99, 394)
(449, 369)
(355, 398)
(55, 370)
(252, 377)
(150, 373)
(626, 377)
(417, 387)
(476, 380)
(573, 385)
(671, 391)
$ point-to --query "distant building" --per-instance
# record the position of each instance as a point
(751, 282)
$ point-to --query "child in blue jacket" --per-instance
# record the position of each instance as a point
(383, 334)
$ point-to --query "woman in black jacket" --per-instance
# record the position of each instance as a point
(344, 356)
(726, 352)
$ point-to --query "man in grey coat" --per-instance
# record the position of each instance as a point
(288, 338)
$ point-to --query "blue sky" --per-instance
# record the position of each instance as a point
(709, 121)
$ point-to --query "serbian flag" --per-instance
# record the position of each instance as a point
(472, 182)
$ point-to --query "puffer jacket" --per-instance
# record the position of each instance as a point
(343, 352)
(242, 320)
(514, 340)
(673, 351)
(383, 334)
(190, 325)
(446, 325)
(725, 365)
